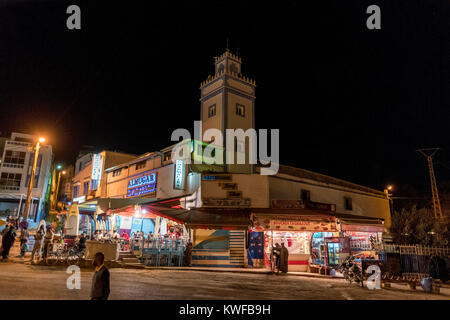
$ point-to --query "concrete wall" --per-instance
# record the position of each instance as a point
(117, 187)
(364, 204)
(255, 187)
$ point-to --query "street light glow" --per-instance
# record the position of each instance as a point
(64, 172)
(41, 139)
(390, 188)
(59, 167)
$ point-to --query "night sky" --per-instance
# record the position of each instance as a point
(349, 102)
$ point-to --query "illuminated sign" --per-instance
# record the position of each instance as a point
(142, 185)
(80, 199)
(179, 175)
(96, 167)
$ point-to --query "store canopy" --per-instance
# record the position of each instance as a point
(296, 219)
(360, 223)
(200, 218)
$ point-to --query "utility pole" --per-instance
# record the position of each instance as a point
(55, 203)
(55, 198)
(30, 185)
(429, 153)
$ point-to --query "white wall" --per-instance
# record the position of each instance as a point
(363, 204)
(253, 186)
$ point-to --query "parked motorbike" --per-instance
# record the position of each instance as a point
(350, 270)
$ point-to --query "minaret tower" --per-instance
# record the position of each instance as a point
(228, 102)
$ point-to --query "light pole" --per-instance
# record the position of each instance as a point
(389, 196)
(30, 185)
(55, 203)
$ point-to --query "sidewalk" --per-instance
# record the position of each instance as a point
(244, 270)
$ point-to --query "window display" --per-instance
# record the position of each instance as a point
(295, 242)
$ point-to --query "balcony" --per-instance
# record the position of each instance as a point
(12, 165)
(9, 188)
(17, 143)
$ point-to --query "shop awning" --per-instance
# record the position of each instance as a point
(360, 224)
(298, 219)
(200, 218)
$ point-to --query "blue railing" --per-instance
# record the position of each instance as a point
(163, 252)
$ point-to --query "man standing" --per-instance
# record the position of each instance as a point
(37, 243)
(48, 239)
(284, 257)
(82, 242)
(275, 258)
(100, 280)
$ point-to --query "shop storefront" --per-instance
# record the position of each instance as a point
(297, 232)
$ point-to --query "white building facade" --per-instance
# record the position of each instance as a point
(15, 168)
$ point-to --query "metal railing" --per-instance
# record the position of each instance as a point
(411, 261)
(163, 251)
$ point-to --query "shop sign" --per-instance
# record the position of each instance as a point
(234, 194)
(320, 206)
(287, 204)
(96, 167)
(79, 199)
(142, 185)
(228, 185)
(179, 175)
(125, 222)
(216, 177)
(214, 202)
(362, 228)
(292, 223)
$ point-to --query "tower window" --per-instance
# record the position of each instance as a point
(211, 111)
(305, 195)
(233, 68)
(348, 203)
(141, 164)
(240, 110)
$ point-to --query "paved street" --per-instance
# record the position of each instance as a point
(24, 281)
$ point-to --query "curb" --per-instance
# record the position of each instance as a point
(312, 275)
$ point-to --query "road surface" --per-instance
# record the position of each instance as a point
(25, 281)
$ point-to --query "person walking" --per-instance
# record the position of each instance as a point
(7, 241)
(284, 258)
(188, 254)
(38, 243)
(48, 239)
(23, 240)
(100, 281)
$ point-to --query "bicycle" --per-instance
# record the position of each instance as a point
(75, 254)
(54, 255)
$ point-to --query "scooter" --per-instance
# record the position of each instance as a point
(350, 270)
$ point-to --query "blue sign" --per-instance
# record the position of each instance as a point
(142, 185)
(147, 179)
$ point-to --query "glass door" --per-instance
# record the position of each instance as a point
(333, 253)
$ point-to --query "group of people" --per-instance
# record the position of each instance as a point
(280, 257)
(42, 239)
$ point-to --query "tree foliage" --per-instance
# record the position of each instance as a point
(419, 226)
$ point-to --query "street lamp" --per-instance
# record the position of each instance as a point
(33, 172)
(57, 185)
(391, 204)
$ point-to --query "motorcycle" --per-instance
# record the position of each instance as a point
(350, 270)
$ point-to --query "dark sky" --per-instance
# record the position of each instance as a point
(349, 102)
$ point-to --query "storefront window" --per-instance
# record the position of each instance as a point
(295, 242)
(318, 246)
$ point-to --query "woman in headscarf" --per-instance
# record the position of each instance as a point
(284, 257)
(8, 241)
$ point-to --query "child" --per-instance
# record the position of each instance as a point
(23, 248)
